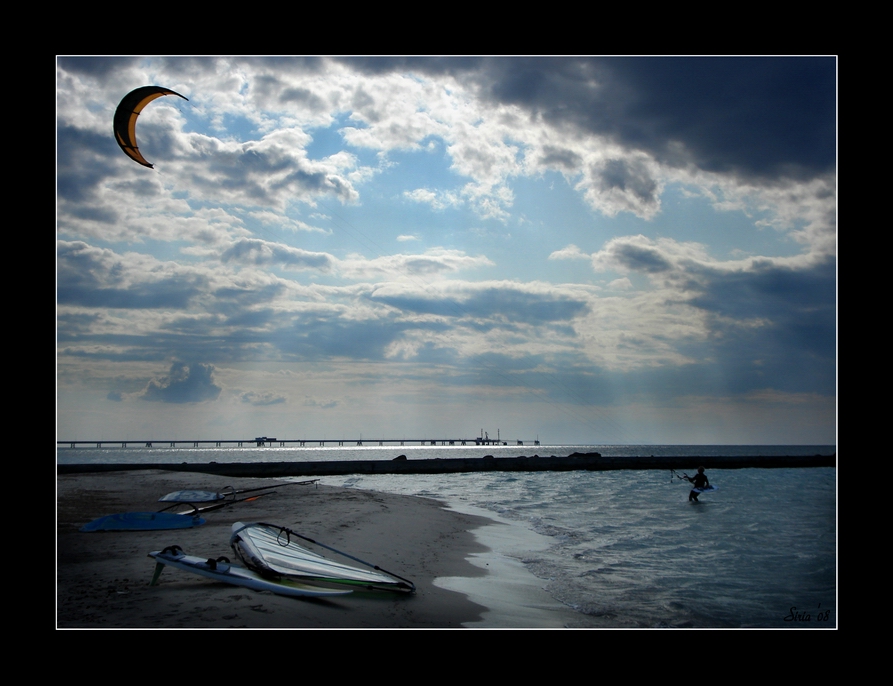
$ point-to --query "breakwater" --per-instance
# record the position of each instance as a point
(488, 463)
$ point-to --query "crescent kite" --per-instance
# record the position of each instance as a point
(125, 118)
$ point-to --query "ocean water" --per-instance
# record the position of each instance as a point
(625, 548)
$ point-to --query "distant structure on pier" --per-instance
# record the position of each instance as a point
(484, 439)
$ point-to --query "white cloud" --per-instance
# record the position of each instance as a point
(430, 263)
(570, 252)
(257, 252)
(439, 200)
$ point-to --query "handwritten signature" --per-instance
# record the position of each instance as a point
(796, 615)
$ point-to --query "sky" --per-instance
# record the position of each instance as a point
(576, 249)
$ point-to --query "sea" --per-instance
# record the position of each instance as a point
(612, 549)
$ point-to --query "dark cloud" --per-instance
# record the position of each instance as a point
(178, 339)
(561, 157)
(93, 277)
(98, 67)
(640, 258)
(140, 188)
(103, 215)
(760, 117)
(191, 383)
(157, 140)
(779, 322)
(259, 252)
(83, 161)
(252, 318)
(301, 96)
(425, 65)
(70, 325)
(174, 292)
(772, 290)
(628, 177)
(189, 68)
(247, 295)
(310, 65)
(502, 303)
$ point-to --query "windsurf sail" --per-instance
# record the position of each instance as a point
(270, 550)
(222, 494)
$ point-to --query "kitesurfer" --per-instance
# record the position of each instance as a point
(699, 480)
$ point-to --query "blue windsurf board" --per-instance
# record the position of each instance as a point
(143, 521)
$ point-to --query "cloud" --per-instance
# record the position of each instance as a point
(432, 262)
(321, 404)
(634, 255)
(276, 220)
(268, 173)
(789, 309)
(571, 252)
(758, 117)
(94, 277)
(622, 284)
(261, 399)
(438, 200)
(757, 319)
(504, 302)
(95, 66)
(186, 383)
(630, 178)
(259, 253)
(330, 339)
(661, 259)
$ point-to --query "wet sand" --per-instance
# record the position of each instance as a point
(102, 579)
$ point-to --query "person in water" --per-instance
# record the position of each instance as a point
(699, 480)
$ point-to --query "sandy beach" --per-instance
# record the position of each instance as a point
(103, 578)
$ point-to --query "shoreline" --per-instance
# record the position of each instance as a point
(102, 579)
(513, 596)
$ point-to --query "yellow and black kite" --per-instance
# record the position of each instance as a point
(125, 118)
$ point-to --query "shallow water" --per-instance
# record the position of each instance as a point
(627, 549)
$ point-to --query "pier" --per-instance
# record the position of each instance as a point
(266, 441)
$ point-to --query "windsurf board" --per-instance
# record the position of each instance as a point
(142, 521)
(237, 576)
